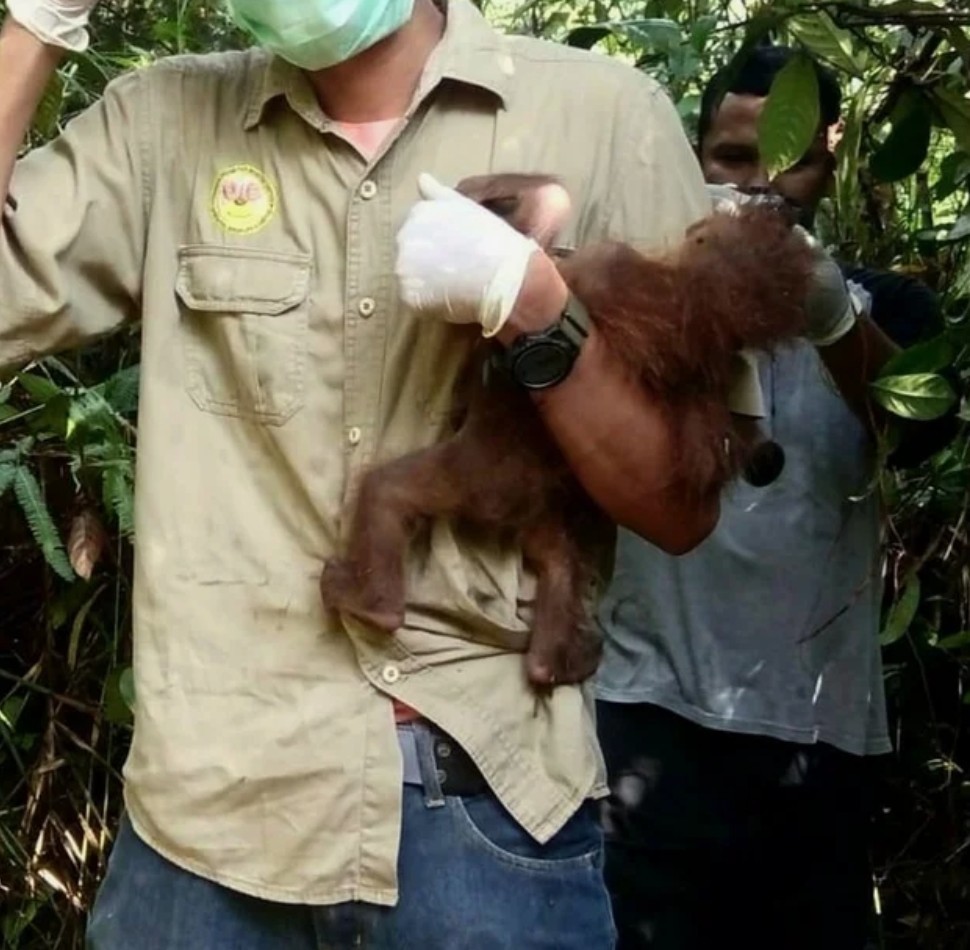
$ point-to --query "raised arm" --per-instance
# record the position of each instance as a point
(33, 41)
(73, 231)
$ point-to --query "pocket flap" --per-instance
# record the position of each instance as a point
(241, 280)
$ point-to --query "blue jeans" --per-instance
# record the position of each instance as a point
(470, 879)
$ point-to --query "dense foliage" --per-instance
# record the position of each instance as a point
(68, 436)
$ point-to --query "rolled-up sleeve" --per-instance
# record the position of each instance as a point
(74, 230)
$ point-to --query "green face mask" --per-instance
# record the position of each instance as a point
(316, 34)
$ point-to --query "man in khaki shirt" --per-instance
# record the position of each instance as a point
(247, 213)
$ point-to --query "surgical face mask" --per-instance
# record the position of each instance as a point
(317, 34)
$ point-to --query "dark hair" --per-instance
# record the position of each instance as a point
(754, 78)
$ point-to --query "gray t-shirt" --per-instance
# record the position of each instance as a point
(771, 625)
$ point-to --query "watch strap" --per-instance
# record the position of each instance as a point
(574, 321)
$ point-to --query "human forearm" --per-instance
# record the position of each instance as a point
(854, 362)
(26, 66)
(618, 444)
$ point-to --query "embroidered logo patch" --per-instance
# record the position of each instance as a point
(243, 199)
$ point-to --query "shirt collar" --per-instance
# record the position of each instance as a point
(470, 52)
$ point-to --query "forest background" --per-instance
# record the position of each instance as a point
(68, 440)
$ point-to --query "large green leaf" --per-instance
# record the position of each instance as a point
(906, 146)
(920, 396)
(790, 119)
(764, 20)
(902, 613)
(955, 109)
(819, 33)
(928, 357)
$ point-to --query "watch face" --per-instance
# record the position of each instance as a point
(543, 364)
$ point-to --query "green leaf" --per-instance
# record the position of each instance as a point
(586, 37)
(759, 26)
(900, 7)
(902, 612)
(819, 33)
(48, 112)
(955, 110)
(701, 32)
(960, 229)
(10, 711)
(40, 389)
(953, 233)
(119, 696)
(928, 357)
(790, 119)
(31, 500)
(126, 686)
(954, 171)
(920, 396)
(77, 627)
(648, 34)
(906, 146)
(955, 641)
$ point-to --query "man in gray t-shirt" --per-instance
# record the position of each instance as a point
(741, 688)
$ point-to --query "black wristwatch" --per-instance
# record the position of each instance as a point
(544, 359)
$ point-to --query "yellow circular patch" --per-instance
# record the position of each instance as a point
(243, 199)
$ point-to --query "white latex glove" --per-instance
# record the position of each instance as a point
(460, 261)
(55, 22)
(833, 303)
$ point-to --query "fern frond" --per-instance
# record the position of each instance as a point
(8, 471)
(119, 496)
(17, 451)
(31, 499)
(121, 391)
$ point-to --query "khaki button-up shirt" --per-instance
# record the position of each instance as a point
(210, 199)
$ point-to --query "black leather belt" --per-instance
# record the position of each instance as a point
(456, 770)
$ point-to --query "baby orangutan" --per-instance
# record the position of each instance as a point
(675, 323)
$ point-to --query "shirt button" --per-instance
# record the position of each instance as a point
(390, 674)
(367, 306)
(443, 750)
(368, 189)
(354, 435)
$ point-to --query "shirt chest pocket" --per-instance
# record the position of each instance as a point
(244, 325)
